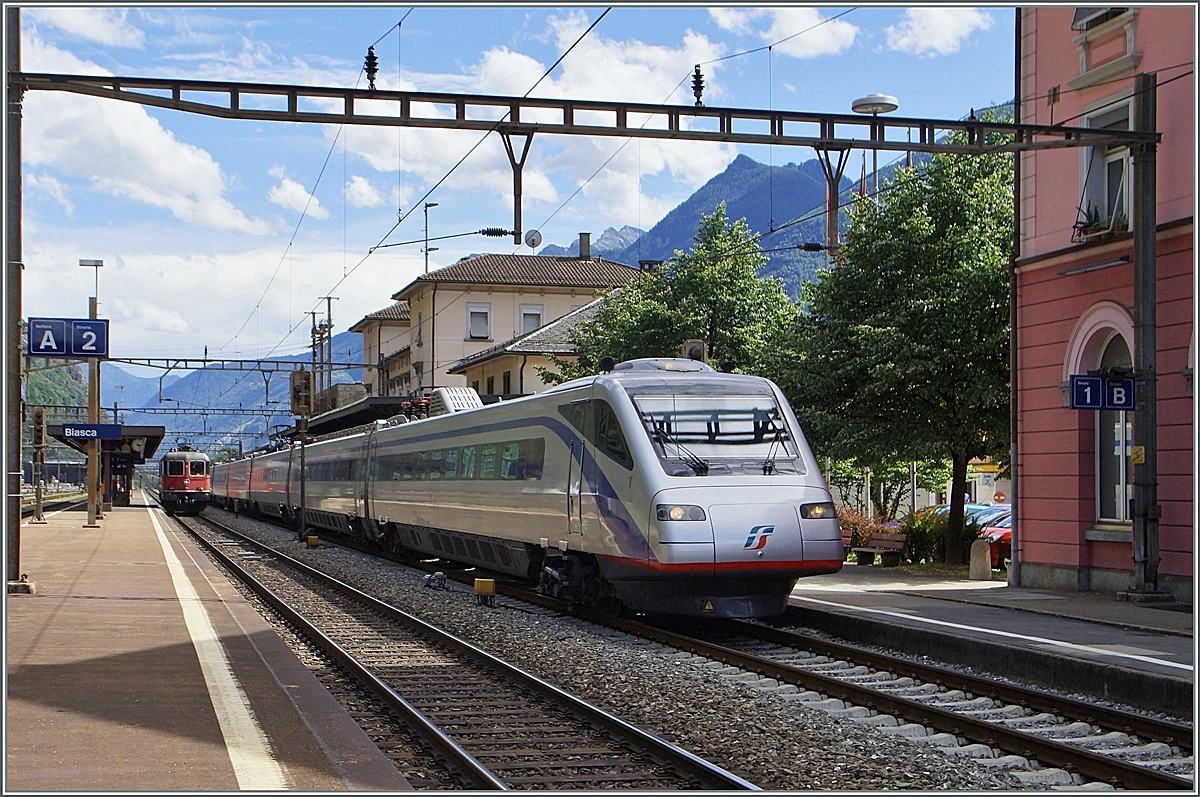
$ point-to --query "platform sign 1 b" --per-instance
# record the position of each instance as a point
(67, 337)
(1098, 393)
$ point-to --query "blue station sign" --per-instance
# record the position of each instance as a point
(67, 337)
(93, 431)
(1098, 393)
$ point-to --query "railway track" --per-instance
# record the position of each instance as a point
(1047, 739)
(999, 723)
(491, 724)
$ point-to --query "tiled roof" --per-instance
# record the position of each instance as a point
(550, 339)
(396, 312)
(535, 270)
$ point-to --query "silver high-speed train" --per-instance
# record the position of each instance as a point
(662, 486)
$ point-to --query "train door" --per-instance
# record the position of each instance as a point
(578, 413)
(363, 471)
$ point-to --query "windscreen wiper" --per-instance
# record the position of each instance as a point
(768, 466)
(661, 436)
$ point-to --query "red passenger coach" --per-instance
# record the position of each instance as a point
(186, 482)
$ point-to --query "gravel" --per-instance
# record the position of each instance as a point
(761, 736)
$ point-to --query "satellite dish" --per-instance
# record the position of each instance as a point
(533, 239)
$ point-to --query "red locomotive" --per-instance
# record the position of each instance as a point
(186, 481)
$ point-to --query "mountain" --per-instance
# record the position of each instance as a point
(118, 386)
(215, 388)
(610, 242)
(767, 197)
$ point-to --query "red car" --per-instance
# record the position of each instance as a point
(999, 537)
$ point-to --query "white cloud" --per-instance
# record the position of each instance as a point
(818, 34)
(598, 68)
(102, 25)
(122, 150)
(936, 31)
(290, 195)
(52, 188)
(148, 317)
(735, 20)
(361, 194)
(819, 37)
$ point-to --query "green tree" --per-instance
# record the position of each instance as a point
(712, 293)
(903, 352)
(891, 483)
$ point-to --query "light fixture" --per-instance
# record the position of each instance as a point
(875, 104)
(1086, 267)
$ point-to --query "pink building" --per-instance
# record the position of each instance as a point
(1075, 295)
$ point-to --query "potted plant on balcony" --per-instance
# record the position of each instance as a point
(1120, 223)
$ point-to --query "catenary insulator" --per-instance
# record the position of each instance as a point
(372, 67)
(698, 85)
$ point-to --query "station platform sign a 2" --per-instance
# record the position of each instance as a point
(67, 337)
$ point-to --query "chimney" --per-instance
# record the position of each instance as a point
(585, 246)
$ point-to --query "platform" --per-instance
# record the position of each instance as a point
(136, 666)
(1141, 654)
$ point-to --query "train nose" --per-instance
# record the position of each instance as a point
(758, 535)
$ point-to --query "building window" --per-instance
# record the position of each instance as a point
(1114, 440)
(531, 317)
(419, 372)
(506, 382)
(491, 385)
(1107, 178)
(420, 326)
(479, 321)
(475, 385)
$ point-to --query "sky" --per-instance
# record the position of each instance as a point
(224, 233)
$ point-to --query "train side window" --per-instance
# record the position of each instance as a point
(579, 415)
(197, 467)
(487, 461)
(451, 470)
(609, 437)
(469, 459)
(175, 467)
(533, 454)
(436, 458)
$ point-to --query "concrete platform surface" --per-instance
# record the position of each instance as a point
(136, 666)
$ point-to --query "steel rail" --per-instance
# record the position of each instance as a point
(1065, 756)
(708, 774)
(1068, 757)
(1160, 730)
(451, 111)
(465, 763)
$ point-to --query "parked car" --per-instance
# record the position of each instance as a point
(999, 537)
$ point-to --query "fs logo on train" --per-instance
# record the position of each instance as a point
(758, 538)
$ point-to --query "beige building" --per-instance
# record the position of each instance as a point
(385, 342)
(509, 369)
(466, 308)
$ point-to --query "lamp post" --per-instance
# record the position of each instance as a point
(875, 104)
(428, 205)
(93, 468)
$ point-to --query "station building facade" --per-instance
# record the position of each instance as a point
(474, 305)
(1075, 298)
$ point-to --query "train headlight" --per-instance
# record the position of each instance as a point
(818, 511)
(680, 512)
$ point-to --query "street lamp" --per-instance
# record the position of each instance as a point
(97, 265)
(94, 510)
(428, 205)
(875, 104)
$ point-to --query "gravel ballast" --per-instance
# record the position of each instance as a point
(755, 733)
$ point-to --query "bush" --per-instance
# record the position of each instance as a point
(861, 526)
(926, 530)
